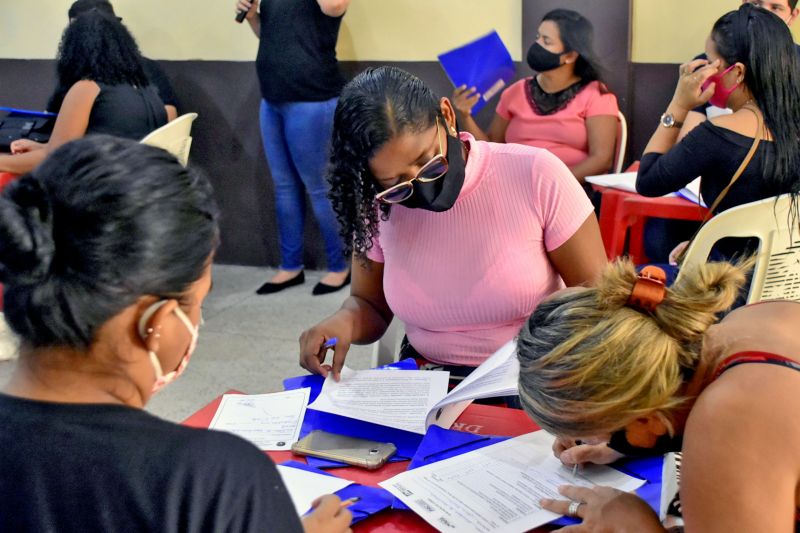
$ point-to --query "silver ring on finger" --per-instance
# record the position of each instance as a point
(572, 510)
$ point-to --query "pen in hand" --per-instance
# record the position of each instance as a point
(349, 501)
(330, 343)
(575, 467)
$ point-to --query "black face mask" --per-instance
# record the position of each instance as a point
(541, 60)
(664, 444)
(441, 195)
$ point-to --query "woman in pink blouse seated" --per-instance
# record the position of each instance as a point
(459, 238)
(565, 108)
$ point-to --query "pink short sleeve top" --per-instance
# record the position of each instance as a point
(464, 280)
(563, 132)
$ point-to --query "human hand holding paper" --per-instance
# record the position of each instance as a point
(605, 508)
(465, 98)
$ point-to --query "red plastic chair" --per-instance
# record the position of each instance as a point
(622, 212)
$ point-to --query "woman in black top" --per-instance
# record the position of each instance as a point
(105, 257)
(300, 84)
(99, 62)
(753, 69)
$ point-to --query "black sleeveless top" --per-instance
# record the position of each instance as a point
(126, 111)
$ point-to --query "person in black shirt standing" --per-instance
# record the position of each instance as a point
(300, 82)
(106, 259)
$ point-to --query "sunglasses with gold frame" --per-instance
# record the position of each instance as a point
(430, 171)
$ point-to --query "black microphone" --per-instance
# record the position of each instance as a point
(241, 15)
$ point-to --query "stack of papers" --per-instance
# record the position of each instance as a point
(692, 193)
(495, 377)
(497, 488)
(626, 181)
(399, 400)
(270, 421)
(413, 400)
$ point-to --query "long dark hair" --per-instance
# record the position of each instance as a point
(577, 34)
(763, 44)
(96, 46)
(102, 222)
(377, 105)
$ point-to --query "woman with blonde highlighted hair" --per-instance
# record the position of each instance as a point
(632, 367)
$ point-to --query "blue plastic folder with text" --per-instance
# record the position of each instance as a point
(405, 441)
(484, 63)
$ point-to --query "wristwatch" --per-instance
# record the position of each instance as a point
(668, 121)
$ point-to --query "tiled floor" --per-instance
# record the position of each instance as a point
(248, 342)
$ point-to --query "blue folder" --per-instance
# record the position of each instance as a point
(14, 112)
(484, 63)
(373, 499)
(405, 441)
(439, 444)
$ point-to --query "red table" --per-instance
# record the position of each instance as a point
(621, 211)
(480, 419)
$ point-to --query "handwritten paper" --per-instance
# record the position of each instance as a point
(497, 488)
(399, 400)
(304, 487)
(270, 421)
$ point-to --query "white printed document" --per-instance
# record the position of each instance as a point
(497, 488)
(400, 399)
(270, 421)
(304, 487)
(413, 400)
(626, 181)
(497, 376)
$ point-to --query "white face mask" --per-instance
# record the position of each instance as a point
(162, 380)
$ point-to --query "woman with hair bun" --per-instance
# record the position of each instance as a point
(631, 367)
(103, 89)
(105, 258)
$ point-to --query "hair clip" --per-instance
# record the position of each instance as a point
(649, 289)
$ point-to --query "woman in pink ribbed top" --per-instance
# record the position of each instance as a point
(565, 108)
(459, 238)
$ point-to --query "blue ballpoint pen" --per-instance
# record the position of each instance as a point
(330, 343)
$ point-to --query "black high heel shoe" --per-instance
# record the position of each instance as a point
(323, 288)
(270, 287)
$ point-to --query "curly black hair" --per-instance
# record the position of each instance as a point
(96, 46)
(377, 105)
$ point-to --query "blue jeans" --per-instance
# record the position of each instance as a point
(296, 138)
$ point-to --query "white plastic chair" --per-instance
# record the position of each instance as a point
(387, 349)
(174, 137)
(777, 271)
(622, 142)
